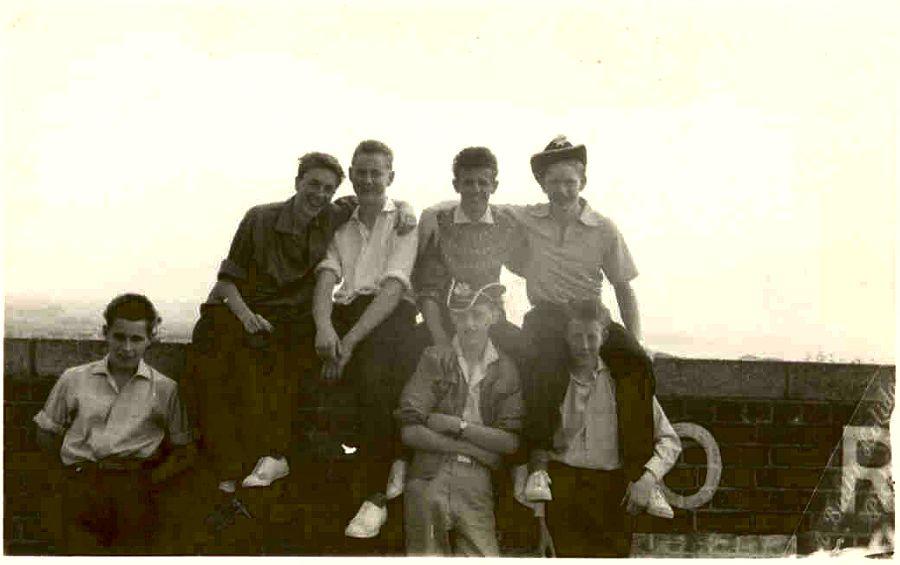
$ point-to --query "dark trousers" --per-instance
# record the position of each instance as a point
(371, 385)
(109, 512)
(586, 517)
(244, 390)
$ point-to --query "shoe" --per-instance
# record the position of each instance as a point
(367, 522)
(537, 489)
(396, 479)
(267, 471)
(658, 505)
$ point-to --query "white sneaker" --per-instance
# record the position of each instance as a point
(658, 505)
(396, 479)
(228, 486)
(537, 489)
(367, 522)
(267, 471)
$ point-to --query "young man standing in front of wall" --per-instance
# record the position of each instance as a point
(110, 423)
(460, 418)
(361, 328)
(603, 458)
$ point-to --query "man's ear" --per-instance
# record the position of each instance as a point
(390, 179)
(495, 314)
(455, 187)
(296, 184)
(104, 330)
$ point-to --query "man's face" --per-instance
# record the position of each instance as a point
(562, 182)
(126, 342)
(370, 175)
(472, 325)
(315, 189)
(475, 186)
(584, 339)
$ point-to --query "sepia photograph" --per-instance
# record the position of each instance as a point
(602, 279)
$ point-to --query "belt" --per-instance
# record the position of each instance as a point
(112, 465)
(465, 459)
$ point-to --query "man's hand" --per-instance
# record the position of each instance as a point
(545, 546)
(443, 423)
(255, 323)
(328, 345)
(406, 218)
(446, 355)
(637, 496)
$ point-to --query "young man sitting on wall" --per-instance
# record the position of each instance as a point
(603, 459)
(109, 422)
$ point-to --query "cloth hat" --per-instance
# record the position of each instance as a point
(463, 296)
(557, 150)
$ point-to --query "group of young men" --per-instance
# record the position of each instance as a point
(320, 295)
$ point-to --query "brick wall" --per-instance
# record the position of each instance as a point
(776, 425)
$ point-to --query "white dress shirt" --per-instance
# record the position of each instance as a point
(474, 375)
(364, 259)
(588, 435)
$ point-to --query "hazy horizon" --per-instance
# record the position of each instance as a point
(747, 151)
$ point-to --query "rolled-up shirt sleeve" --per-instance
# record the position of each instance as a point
(418, 397)
(666, 443)
(617, 262)
(177, 420)
(402, 258)
(54, 417)
(237, 264)
(332, 260)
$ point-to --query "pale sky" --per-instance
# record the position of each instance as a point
(746, 150)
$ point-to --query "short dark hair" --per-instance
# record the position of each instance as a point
(471, 157)
(132, 307)
(374, 146)
(591, 310)
(317, 160)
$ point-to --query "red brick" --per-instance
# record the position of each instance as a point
(729, 411)
(745, 456)
(682, 478)
(791, 500)
(697, 410)
(797, 435)
(800, 456)
(726, 434)
(788, 478)
(817, 413)
(841, 413)
(759, 412)
(692, 454)
(736, 477)
(775, 523)
(788, 413)
(730, 522)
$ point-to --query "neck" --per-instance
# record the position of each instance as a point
(584, 369)
(567, 213)
(368, 211)
(300, 214)
(472, 213)
(473, 353)
(121, 373)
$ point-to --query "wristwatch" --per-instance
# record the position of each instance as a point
(462, 427)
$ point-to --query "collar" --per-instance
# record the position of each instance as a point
(459, 216)
(601, 369)
(389, 206)
(286, 222)
(490, 356)
(101, 367)
(588, 216)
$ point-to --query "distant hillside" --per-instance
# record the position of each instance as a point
(31, 317)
